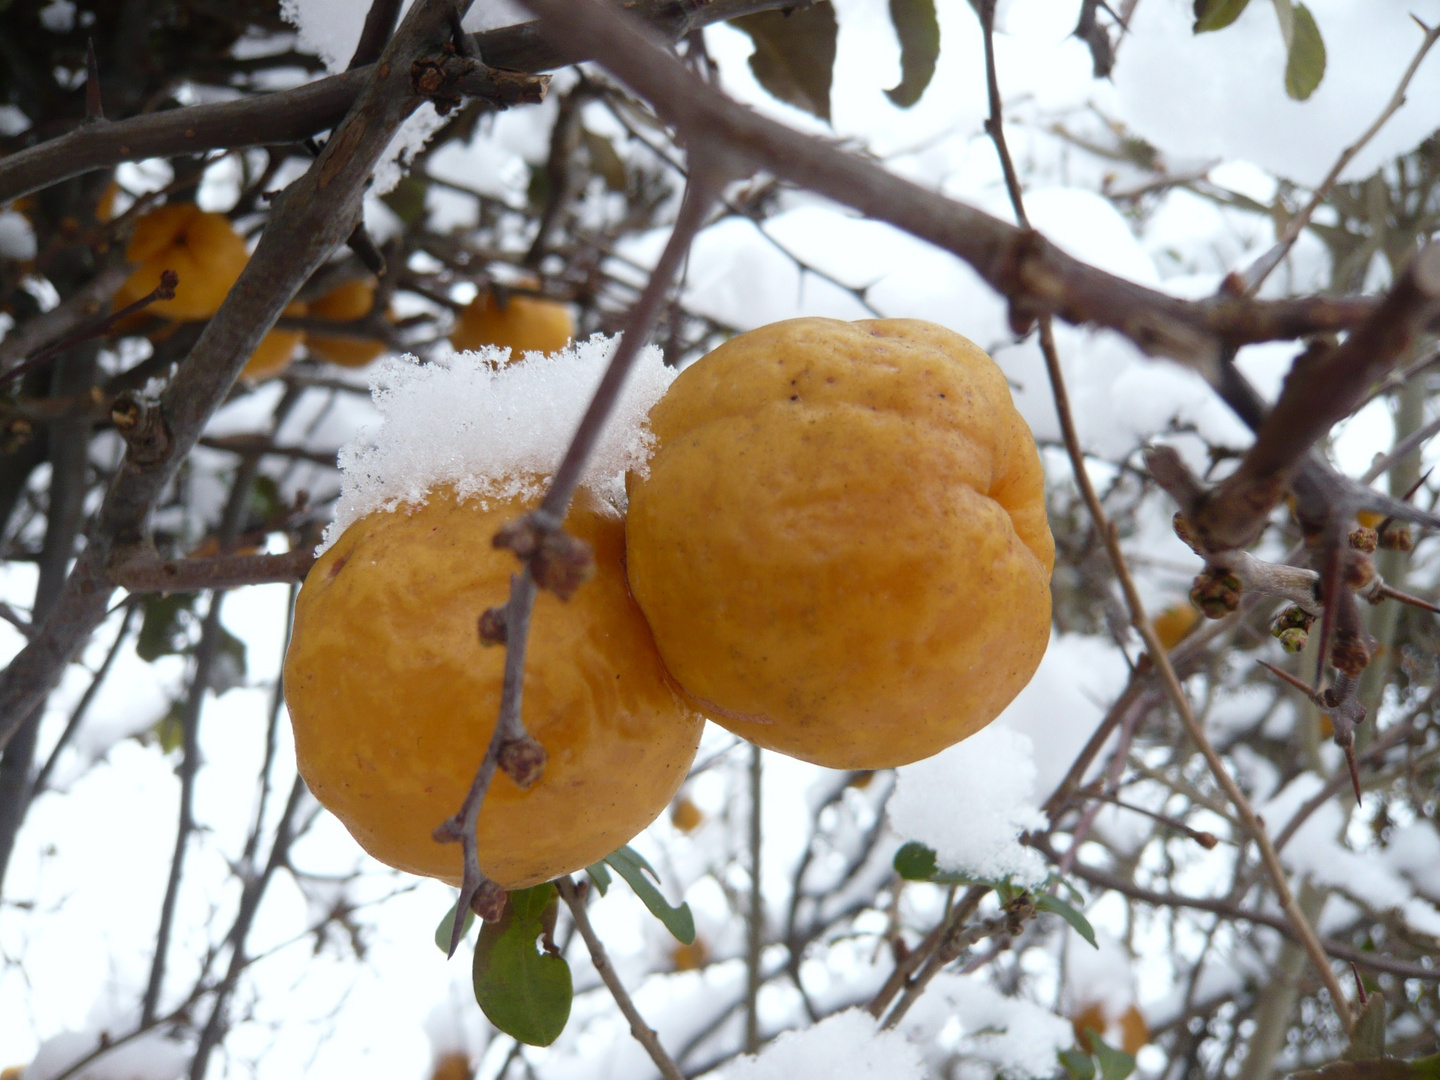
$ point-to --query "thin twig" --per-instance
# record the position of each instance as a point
(1138, 617)
(509, 726)
(755, 917)
(1262, 267)
(644, 1034)
(154, 575)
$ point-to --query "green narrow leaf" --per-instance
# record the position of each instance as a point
(1306, 65)
(600, 876)
(631, 865)
(794, 56)
(604, 161)
(407, 199)
(442, 931)
(919, 34)
(1114, 1064)
(229, 668)
(265, 502)
(523, 991)
(915, 862)
(1216, 14)
(1079, 1065)
(1055, 906)
(1367, 1036)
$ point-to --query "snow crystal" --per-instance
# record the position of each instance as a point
(1415, 852)
(970, 803)
(328, 28)
(493, 432)
(1223, 94)
(1017, 1037)
(1316, 849)
(847, 1044)
(404, 145)
(149, 1057)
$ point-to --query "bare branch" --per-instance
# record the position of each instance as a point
(152, 575)
(644, 1034)
(309, 220)
(1262, 267)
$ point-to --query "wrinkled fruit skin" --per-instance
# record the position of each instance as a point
(202, 248)
(345, 303)
(525, 324)
(393, 698)
(841, 545)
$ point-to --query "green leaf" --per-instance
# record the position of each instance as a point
(1055, 906)
(407, 199)
(1079, 1065)
(1216, 14)
(1114, 1064)
(265, 501)
(1367, 1035)
(169, 730)
(162, 631)
(604, 161)
(919, 34)
(228, 671)
(447, 924)
(1306, 65)
(631, 865)
(915, 862)
(523, 991)
(794, 56)
(600, 876)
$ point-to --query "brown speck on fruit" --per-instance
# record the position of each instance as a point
(337, 566)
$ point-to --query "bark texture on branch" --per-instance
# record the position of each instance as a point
(309, 220)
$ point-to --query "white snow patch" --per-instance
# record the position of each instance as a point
(17, 238)
(328, 28)
(845, 1045)
(970, 803)
(493, 432)
(1223, 94)
(404, 145)
(1017, 1037)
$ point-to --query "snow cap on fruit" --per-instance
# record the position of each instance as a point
(494, 432)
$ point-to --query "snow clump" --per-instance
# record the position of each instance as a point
(494, 430)
(970, 803)
(845, 1046)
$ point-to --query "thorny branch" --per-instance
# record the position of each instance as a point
(1262, 267)
(553, 559)
(308, 221)
(1138, 618)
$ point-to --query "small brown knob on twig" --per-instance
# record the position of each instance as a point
(523, 760)
(489, 901)
(562, 564)
(493, 630)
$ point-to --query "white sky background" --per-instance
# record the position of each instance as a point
(92, 856)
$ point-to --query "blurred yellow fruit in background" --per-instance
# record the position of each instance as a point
(1172, 624)
(345, 303)
(203, 249)
(276, 349)
(524, 324)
